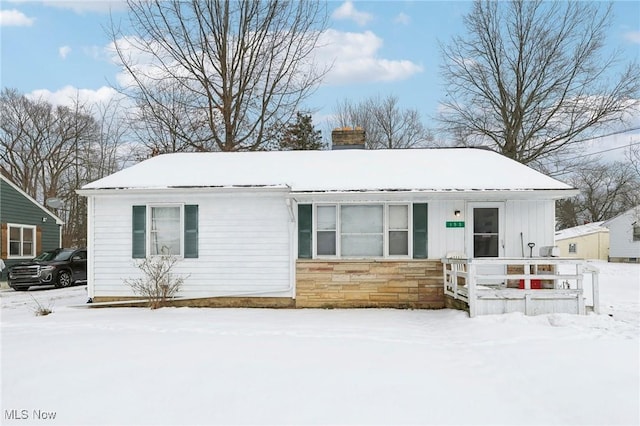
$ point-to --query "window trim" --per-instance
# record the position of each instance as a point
(388, 229)
(385, 230)
(141, 229)
(336, 230)
(380, 208)
(34, 230)
(150, 234)
(148, 225)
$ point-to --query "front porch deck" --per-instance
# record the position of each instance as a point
(533, 286)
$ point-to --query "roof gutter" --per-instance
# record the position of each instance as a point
(436, 193)
(182, 189)
(451, 193)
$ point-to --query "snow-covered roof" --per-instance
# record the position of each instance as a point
(431, 169)
(580, 230)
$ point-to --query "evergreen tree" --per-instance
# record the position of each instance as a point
(301, 135)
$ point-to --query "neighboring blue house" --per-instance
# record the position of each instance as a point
(26, 227)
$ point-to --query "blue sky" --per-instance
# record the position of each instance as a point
(54, 48)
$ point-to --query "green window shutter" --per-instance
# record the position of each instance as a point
(305, 224)
(191, 231)
(138, 238)
(420, 222)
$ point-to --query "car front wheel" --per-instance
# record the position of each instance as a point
(64, 279)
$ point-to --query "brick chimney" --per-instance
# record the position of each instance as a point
(347, 138)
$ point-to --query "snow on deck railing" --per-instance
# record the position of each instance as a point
(468, 279)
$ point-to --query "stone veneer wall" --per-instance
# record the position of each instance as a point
(364, 284)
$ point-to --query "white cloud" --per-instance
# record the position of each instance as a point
(354, 59)
(80, 7)
(140, 58)
(64, 51)
(632, 36)
(69, 95)
(348, 11)
(402, 19)
(14, 18)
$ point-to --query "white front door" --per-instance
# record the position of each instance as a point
(485, 234)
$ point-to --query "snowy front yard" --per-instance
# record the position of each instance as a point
(184, 366)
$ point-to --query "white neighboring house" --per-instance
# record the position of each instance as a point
(340, 228)
(589, 241)
(624, 236)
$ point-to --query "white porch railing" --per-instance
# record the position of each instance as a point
(539, 285)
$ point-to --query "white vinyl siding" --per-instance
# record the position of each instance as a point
(244, 244)
(621, 236)
(534, 219)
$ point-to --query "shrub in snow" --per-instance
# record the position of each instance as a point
(40, 310)
(158, 284)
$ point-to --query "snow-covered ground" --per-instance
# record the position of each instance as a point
(185, 366)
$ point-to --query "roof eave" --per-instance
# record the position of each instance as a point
(445, 193)
(181, 189)
(543, 193)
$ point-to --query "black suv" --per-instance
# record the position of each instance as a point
(60, 267)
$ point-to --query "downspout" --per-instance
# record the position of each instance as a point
(90, 248)
(293, 248)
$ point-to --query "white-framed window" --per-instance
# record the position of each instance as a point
(361, 230)
(399, 230)
(573, 247)
(164, 229)
(21, 241)
(326, 229)
(636, 231)
(357, 230)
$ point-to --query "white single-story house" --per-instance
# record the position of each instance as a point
(624, 236)
(588, 241)
(339, 228)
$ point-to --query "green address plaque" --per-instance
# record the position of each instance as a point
(455, 224)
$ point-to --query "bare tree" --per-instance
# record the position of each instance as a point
(22, 132)
(99, 151)
(606, 189)
(633, 156)
(386, 125)
(159, 123)
(530, 79)
(218, 75)
(50, 151)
